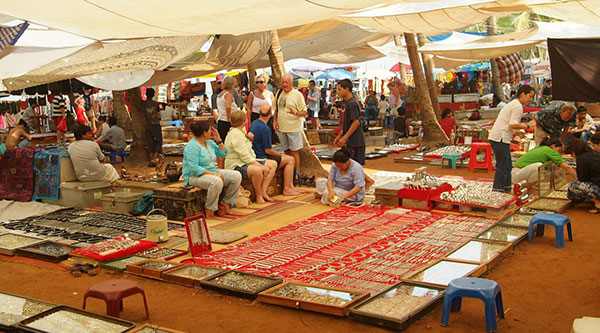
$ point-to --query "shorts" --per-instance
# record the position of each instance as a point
(276, 159)
(155, 139)
(244, 168)
(89, 113)
(57, 121)
(312, 114)
(290, 140)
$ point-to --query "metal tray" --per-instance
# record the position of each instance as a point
(333, 301)
(9, 249)
(504, 233)
(222, 283)
(121, 263)
(481, 251)
(442, 272)
(67, 319)
(399, 306)
(41, 251)
(190, 275)
(14, 308)
(152, 268)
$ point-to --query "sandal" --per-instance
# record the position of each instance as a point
(89, 269)
(594, 210)
(75, 271)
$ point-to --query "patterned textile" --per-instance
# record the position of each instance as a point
(511, 67)
(46, 168)
(9, 35)
(16, 174)
(582, 191)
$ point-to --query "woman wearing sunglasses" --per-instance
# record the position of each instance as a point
(258, 97)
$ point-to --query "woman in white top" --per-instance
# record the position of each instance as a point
(258, 97)
(509, 120)
(225, 104)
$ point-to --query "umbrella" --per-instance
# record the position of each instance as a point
(336, 74)
(396, 68)
(299, 75)
(378, 73)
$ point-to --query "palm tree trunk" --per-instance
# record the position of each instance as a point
(401, 66)
(432, 131)
(251, 76)
(276, 59)
(428, 64)
(496, 86)
(139, 148)
(120, 112)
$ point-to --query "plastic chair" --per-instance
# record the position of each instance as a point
(113, 292)
(114, 154)
(487, 163)
(558, 221)
(486, 290)
(452, 158)
(177, 123)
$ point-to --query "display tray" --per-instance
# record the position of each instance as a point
(554, 205)
(444, 271)
(46, 250)
(556, 194)
(481, 252)
(240, 284)
(468, 204)
(114, 248)
(9, 242)
(399, 306)
(14, 308)
(504, 234)
(67, 319)
(149, 328)
(121, 263)
(516, 220)
(152, 268)
(190, 275)
(308, 297)
(163, 253)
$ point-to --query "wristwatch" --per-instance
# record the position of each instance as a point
(219, 142)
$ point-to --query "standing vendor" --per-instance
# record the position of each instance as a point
(509, 120)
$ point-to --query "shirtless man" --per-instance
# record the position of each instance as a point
(14, 136)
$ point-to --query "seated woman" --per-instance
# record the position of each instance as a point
(241, 157)
(587, 185)
(346, 179)
(199, 169)
(526, 167)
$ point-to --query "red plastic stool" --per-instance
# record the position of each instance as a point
(113, 292)
(473, 163)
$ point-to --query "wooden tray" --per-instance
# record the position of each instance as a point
(479, 251)
(27, 241)
(555, 205)
(214, 283)
(504, 234)
(144, 268)
(342, 299)
(516, 220)
(399, 313)
(121, 263)
(149, 328)
(201, 272)
(440, 273)
(35, 251)
(29, 308)
(110, 324)
(178, 253)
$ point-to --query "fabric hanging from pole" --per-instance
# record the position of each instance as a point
(511, 67)
(575, 69)
(10, 35)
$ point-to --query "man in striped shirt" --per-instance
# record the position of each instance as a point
(59, 108)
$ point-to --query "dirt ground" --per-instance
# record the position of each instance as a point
(544, 289)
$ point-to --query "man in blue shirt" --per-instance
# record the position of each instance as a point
(263, 149)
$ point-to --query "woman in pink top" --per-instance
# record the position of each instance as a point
(447, 122)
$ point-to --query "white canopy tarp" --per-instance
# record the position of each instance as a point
(117, 80)
(117, 19)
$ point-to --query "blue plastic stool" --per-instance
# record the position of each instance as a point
(558, 221)
(177, 123)
(452, 160)
(114, 154)
(486, 290)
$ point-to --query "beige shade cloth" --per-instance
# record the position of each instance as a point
(349, 55)
(432, 17)
(584, 12)
(132, 55)
(16, 210)
(117, 19)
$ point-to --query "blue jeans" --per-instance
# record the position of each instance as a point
(502, 178)
(23, 143)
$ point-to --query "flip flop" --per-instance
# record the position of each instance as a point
(75, 271)
(594, 211)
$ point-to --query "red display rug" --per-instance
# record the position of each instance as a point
(358, 248)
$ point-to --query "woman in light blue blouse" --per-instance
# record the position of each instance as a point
(346, 179)
(199, 169)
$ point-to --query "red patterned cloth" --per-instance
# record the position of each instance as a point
(511, 67)
(16, 174)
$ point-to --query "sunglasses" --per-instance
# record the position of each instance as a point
(260, 82)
